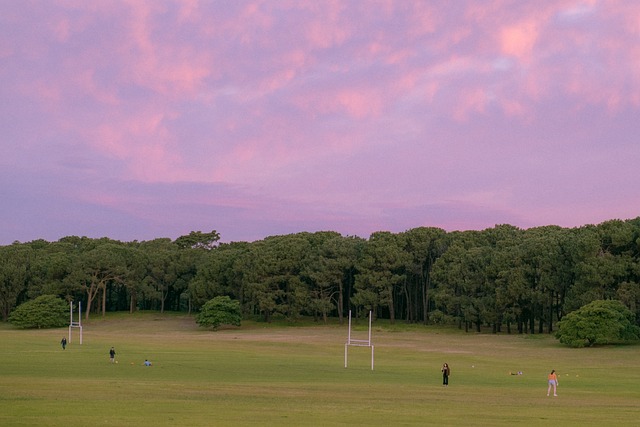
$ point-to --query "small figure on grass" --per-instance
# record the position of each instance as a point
(63, 343)
(147, 363)
(112, 355)
(446, 371)
(553, 382)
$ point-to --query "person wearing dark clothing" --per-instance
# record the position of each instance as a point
(445, 374)
(112, 355)
(63, 343)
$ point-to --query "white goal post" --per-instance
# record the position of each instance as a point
(358, 342)
(77, 324)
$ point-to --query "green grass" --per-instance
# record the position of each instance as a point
(279, 375)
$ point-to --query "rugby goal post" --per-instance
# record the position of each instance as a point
(358, 342)
(77, 324)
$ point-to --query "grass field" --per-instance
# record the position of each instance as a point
(277, 375)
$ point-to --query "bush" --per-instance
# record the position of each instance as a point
(598, 323)
(221, 310)
(437, 317)
(46, 311)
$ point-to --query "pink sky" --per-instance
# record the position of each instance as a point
(144, 119)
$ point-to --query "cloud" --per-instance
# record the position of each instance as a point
(519, 40)
(291, 115)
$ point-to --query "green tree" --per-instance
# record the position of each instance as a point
(45, 311)
(464, 289)
(134, 287)
(14, 272)
(597, 323)
(220, 272)
(329, 268)
(95, 269)
(629, 295)
(162, 268)
(543, 259)
(49, 267)
(273, 282)
(221, 310)
(424, 245)
(382, 273)
(198, 240)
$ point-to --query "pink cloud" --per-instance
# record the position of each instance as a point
(424, 19)
(470, 101)
(189, 11)
(85, 80)
(455, 105)
(359, 104)
(330, 27)
(519, 40)
(143, 143)
(170, 68)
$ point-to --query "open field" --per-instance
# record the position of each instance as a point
(275, 375)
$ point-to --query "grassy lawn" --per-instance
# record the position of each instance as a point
(278, 375)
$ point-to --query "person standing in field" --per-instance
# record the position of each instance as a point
(445, 374)
(112, 355)
(553, 382)
(63, 343)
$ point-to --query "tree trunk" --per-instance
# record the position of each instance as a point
(104, 300)
(532, 322)
(425, 300)
(92, 291)
(392, 313)
(551, 313)
(132, 302)
(409, 316)
(340, 302)
(163, 297)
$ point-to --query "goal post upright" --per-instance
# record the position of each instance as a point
(358, 343)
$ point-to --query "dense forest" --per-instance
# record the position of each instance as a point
(503, 279)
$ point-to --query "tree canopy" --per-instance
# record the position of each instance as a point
(501, 279)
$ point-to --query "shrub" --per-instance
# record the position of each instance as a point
(221, 310)
(45, 311)
(597, 323)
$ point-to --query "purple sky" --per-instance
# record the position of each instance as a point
(144, 119)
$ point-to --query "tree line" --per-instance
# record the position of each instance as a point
(502, 278)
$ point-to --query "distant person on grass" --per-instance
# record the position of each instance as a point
(63, 343)
(112, 355)
(445, 374)
(553, 382)
(147, 363)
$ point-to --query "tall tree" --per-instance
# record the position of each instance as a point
(324, 273)
(220, 272)
(96, 268)
(162, 268)
(14, 267)
(198, 240)
(424, 246)
(381, 272)
(275, 284)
